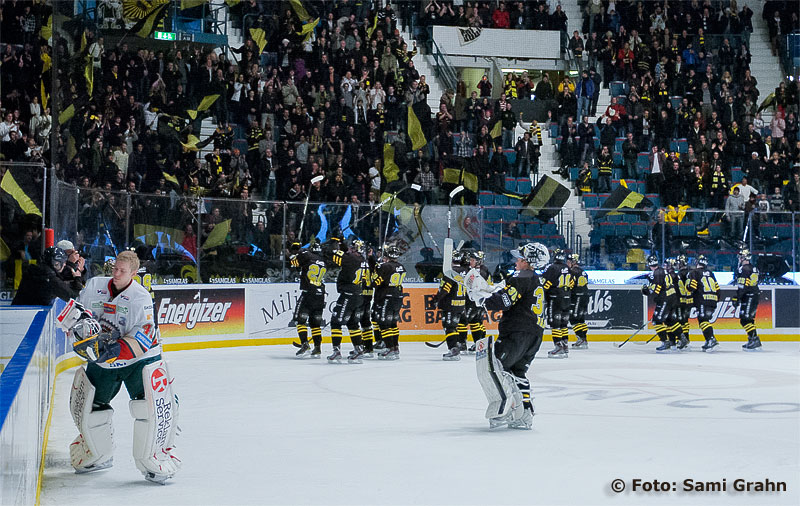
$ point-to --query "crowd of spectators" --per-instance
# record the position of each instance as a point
(683, 92)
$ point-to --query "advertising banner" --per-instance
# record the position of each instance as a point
(459, 41)
(726, 316)
(194, 311)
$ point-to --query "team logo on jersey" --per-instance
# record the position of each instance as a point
(159, 380)
(101, 292)
(124, 297)
(109, 308)
(122, 320)
(122, 310)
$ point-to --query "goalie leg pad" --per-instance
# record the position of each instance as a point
(499, 386)
(93, 449)
(155, 425)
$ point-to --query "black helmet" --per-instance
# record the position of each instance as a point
(744, 254)
(702, 261)
(575, 258)
(358, 246)
(652, 260)
(315, 247)
(559, 256)
(478, 256)
(55, 258)
(681, 259)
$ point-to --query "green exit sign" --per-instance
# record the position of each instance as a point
(164, 35)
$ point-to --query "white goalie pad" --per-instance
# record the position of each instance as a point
(499, 386)
(155, 425)
(93, 449)
(71, 314)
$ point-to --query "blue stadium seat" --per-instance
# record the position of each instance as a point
(511, 156)
(604, 228)
(573, 173)
(676, 101)
(590, 200)
(618, 144)
(492, 214)
(553, 130)
(643, 161)
(654, 198)
(736, 174)
(784, 230)
(486, 198)
(534, 228)
(683, 146)
(614, 217)
(524, 185)
(622, 229)
(549, 229)
(511, 184)
(500, 200)
(687, 229)
(715, 230)
(617, 88)
(596, 143)
(768, 230)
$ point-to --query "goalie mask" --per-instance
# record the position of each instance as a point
(535, 253)
(392, 251)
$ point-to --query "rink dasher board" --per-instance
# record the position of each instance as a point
(223, 315)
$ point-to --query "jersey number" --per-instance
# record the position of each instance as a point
(397, 279)
(538, 306)
(316, 274)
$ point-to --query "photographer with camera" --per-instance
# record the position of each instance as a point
(75, 266)
(42, 282)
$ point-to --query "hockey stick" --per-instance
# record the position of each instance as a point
(634, 335)
(453, 193)
(383, 202)
(435, 345)
(430, 236)
(316, 179)
(414, 187)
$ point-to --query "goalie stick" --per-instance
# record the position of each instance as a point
(316, 179)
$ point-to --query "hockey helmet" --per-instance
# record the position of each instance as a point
(575, 258)
(315, 247)
(392, 251)
(458, 256)
(744, 255)
(681, 259)
(478, 256)
(652, 260)
(55, 258)
(535, 253)
(559, 256)
(358, 246)
(701, 261)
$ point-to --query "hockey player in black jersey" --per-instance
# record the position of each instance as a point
(747, 294)
(388, 282)
(349, 307)
(369, 327)
(502, 365)
(681, 272)
(558, 285)
(473, 313)
(451, 300)
(660, 286)
(579, 302)
(308, 312)
(704, 290)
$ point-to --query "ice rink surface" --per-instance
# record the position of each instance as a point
(262, 427)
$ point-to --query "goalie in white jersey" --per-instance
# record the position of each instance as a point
(113, 327)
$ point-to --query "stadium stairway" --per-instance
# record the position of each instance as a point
(764, 67)
(426, 69)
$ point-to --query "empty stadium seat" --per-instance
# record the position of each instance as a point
(590, 200)
(511, 184)
(486, 198)
(524, 185)
(639, 229)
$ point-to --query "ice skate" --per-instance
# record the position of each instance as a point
(666, 347)
(389, 354)
(355, 356)
(710, 344)
(336, 356)
(683, 343)
(304, 351)
(95, 467)
(384, 354)
(580, 344)
(524, 423)
(753, 344)
(560, 351)
(316, 352)
(161, 479)
(471, 348)
(379, 347)
(453, 355)
(501, 421)
(462, 346)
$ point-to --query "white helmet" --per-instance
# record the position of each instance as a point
(535, 253)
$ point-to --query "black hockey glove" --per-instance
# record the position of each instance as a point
(645, 290)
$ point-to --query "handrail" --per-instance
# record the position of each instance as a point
(442, 67)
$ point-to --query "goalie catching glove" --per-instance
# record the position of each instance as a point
(478, 289)
(92, 343)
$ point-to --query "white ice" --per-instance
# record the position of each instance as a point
(262, 427)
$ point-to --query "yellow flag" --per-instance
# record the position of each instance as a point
(297, 7)
(146, 26)
(308, 28)
(5, 251)
(47, 29)
(188, 4)
(259, 38)
(218, 235)
(623, 183)
(391, 172)
(169, 177)
(497, 130)
(47, 62)
(88, 73)
(83, 42)
(44, 95)
(191, 143)
(418, 139)
(66, 114)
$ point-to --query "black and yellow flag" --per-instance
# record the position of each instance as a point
(190, 4)
(415, 132)
(497, 130)
(88, 73)
(259, 37)
(205, 104)
(622, 198)
(170, 178)
(134, 10)
(19, 184)
(546, 199)
(147, 25)
(218, 235)
(461, 171)
(372, 28)
(308, 29)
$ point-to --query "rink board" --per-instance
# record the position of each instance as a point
(213, 315)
